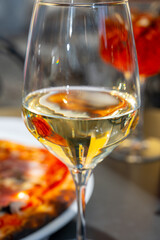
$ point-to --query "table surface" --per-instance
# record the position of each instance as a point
(125, 203)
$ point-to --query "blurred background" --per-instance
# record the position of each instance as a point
(15, 18)
(14, 25)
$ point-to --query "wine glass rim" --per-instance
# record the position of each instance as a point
(81, 2)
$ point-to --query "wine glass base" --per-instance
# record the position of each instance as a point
(136, 151)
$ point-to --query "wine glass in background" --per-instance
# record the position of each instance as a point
(76, 104)
(146, 27)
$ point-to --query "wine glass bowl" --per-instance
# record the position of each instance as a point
(76, 102)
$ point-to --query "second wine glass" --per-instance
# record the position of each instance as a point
(145, 16)
(79, 105)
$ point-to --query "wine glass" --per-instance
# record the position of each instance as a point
(145, 17)
(77, 105)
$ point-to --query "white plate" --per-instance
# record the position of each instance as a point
(13, 129)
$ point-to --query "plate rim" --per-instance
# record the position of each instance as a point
(64, 218)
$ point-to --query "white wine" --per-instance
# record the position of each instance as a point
(80, 126)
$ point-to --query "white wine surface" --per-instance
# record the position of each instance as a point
(81, 126)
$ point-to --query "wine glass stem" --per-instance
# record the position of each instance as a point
(81, 179)
(81, 223)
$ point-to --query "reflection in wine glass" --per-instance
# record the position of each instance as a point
(78, 118)
(146, 28)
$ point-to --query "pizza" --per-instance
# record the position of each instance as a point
(35, 188)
